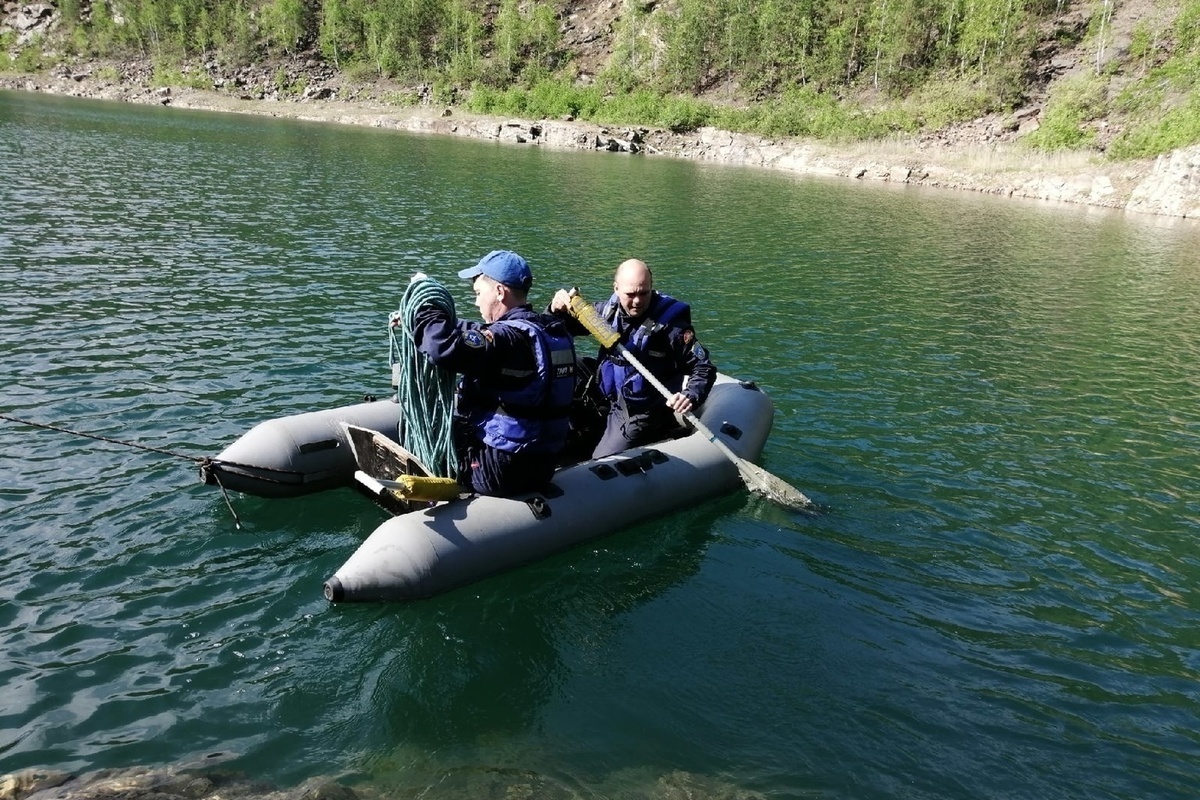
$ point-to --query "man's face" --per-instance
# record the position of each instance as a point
(633, 292)
(489, 298)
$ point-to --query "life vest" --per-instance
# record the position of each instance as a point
(649, 342)
(526, 410)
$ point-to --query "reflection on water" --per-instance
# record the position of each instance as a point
(996, 401)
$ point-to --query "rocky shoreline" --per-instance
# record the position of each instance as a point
(200, 780)
(207, 779)
(980, 157)
(983, 155)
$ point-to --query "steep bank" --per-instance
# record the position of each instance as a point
(978, 157)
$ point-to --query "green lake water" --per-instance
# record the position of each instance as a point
(996, 402)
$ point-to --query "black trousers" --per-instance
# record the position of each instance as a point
(625, 429)
(486, 470)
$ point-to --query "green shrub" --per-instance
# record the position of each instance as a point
(798, 112)
(32, 59)
(359, 70)
(444, 92)
(683, 114)
(950, 99)
(1187, 27)
(481, 99)
(464, 68)
(1061, 129)
(8, 40)
(639, 107)
(556, 98)
(511, 102)
(804, 112)
(545, 100)
(1179, 127)
(100, 36)
(1141, 97)
(402, 99)
(289, 87)
(168, 73)
(284, 22)
(1070, 107)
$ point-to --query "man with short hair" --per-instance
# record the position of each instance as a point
(657, 329)
(518, 371)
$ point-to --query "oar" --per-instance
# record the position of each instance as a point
(757, 479)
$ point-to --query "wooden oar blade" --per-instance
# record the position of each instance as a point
(775, 489)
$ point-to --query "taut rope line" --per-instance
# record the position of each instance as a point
(206, 463)
(47, 426)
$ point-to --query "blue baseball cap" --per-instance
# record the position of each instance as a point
(502, 266)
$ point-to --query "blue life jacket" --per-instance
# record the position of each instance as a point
(526, 411)
(649, 342)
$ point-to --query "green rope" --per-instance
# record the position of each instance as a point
(424, 390)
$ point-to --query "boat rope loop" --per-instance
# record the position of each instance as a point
(424, 391)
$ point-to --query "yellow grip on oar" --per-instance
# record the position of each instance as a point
(587, 315)
(418, 487)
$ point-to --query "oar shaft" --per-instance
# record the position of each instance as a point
(667, 393)
(586, 313)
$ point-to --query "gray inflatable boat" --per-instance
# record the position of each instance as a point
(438, 547)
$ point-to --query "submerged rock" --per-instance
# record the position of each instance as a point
(193, 780)
(22, 784)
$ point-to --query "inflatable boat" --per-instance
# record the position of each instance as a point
(432, 548)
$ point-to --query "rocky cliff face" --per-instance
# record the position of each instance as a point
(982, 155)
(1172, 186)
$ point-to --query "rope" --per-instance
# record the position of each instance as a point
(49, 427)
(205, 462)
(202, 460)
(424, 391)
(208, 465)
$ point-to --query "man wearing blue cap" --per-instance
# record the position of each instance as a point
(518, 369)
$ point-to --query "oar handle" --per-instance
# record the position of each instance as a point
(667, 393)
(587, 314)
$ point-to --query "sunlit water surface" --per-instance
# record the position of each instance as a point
(997, 403)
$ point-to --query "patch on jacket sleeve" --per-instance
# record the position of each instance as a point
(474, 338)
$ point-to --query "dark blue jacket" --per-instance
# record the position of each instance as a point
(518, 376)
(664, 341)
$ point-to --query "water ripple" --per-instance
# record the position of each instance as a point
(996, 404)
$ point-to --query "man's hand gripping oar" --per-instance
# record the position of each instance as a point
(757, 479)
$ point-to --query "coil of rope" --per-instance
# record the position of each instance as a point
(424, 390)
